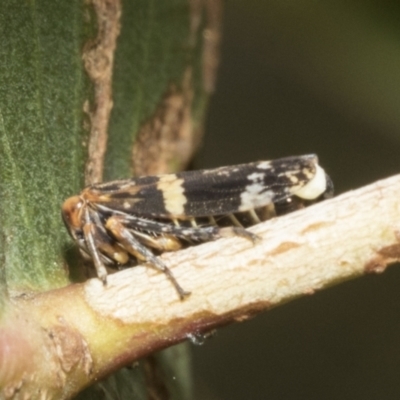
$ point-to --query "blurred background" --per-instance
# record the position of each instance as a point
(302, 77)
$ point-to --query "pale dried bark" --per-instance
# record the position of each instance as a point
(98, 57)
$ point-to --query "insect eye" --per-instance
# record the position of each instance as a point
(71, 212)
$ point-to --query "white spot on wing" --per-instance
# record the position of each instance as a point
(255, 196)
(173, 194)
(314, 188)
(256, 177)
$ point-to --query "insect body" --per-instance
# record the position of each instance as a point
(120, 222)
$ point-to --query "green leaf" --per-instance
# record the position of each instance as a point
(42, 87)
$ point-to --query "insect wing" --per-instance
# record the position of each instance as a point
(209, 192)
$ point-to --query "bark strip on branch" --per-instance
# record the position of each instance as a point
(98, 57)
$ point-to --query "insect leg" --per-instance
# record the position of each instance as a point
(254, 216)
(234, 220)
(121, 233)
(212, 220)
(199, 234)
(230, 231)
(193, 222)
(100, 246)
(89, 232)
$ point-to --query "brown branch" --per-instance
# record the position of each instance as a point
(98, 57)
(92, 330)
